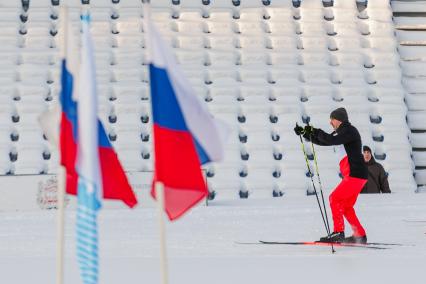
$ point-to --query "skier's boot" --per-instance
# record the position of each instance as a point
(356, 240)
(335, 237)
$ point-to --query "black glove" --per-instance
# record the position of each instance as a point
(299, 130)
(308, 130)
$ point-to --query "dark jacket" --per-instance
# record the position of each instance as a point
(349, 136)
(377, 179)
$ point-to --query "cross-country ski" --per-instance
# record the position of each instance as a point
(319, 244)
(338, 243)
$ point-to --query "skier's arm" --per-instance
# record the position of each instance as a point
(330, 139)
(312, 137)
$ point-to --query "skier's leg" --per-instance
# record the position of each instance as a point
(337, 206)
(354, 222)
(356, 186)
(339, 201)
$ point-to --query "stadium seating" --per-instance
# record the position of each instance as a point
(259, 65)
(410, 24)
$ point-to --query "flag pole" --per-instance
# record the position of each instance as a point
(159, 192)
(158, 186)
(60, 229)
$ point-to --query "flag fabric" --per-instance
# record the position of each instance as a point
(113, 179)
(186, 136)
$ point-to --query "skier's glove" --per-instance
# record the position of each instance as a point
(299, 130)
(308, 130)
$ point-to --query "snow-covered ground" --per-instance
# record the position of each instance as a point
(202, 245)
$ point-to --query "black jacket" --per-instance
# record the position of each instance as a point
(377, 179)
(349, 136)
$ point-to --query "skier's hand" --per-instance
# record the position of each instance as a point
(308, 130)
(299, 130)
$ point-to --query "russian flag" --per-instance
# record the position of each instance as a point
(114, 183)
(93, 169)
(186, 136)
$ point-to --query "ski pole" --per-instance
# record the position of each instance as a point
(327, 229)
(319, 181)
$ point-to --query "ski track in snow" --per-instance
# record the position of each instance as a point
(202, 248)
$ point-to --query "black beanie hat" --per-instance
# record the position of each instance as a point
(366, 148)
(340, 114)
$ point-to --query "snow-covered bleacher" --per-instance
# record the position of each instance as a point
(259, 65)
(410, 24)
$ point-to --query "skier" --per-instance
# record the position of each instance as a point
(352, 168)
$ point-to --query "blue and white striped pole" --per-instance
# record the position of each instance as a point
(88, 166)
(87, 231)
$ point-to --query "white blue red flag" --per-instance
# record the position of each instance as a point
(113, 179)
(186, 136)
(93, 169)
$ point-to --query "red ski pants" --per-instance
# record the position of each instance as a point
(342, 201)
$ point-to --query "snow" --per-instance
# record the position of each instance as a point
(408, 6)
(202, 245)
(410, 23)
(414, 68)
(414, 85)
(412, 53)
(411, 37)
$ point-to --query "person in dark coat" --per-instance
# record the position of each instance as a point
(377, 178)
